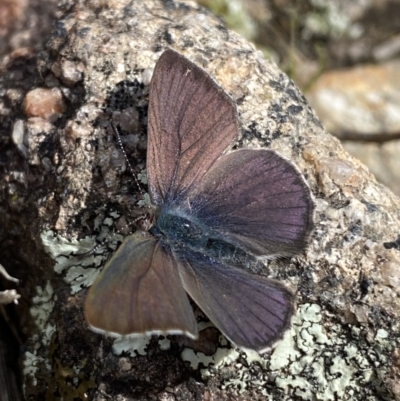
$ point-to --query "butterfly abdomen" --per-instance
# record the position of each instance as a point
(228, 252)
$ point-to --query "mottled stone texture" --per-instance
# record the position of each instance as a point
(64, 185)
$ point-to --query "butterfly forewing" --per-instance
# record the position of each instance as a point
(191, 122)
(257, 200)
(252, 311)
(140, 291)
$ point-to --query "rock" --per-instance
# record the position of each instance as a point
(361, 106)
(45, 103)
(363, 100)
(343, 342)
(382, 160)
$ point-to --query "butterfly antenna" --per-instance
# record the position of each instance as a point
(130, 168)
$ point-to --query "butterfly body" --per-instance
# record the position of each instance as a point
(216, 213)
(179, 231)
(183, 234)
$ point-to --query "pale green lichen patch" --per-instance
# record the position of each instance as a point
(79, 277)
(79, 258)
(146, 201)
(165, 344)
(342, 373)
(381, 335)
(56, 246)
(43, 304)
(196, 358)
(64, 252)
(324, 365)
(222, 357)
(284, 352)
(31, 362)
(133, 345)
(142, 176)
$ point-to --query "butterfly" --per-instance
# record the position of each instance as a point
(216, 212)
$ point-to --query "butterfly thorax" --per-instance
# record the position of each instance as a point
(178, 231)
(181, 232)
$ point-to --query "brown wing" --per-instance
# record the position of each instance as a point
(140, 291)
(191, 122)
(252, 311)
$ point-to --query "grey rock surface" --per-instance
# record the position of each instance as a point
(64, 186)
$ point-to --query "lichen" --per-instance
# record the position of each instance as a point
(313, 360)
(42, 306)
(133, 345)
(81, 258)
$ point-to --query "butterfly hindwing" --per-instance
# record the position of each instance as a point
(140, 291)
(252, 311)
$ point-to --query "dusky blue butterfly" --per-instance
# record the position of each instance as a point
(215, 213)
